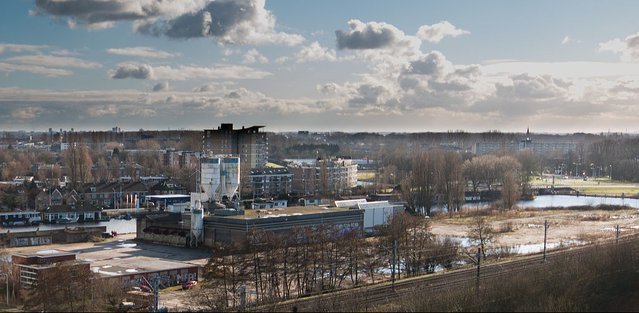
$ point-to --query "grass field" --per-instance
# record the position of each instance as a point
(366, 175)
(591, 186)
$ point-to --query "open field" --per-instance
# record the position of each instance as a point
(526, 227)
(366, 175)
(591, 186)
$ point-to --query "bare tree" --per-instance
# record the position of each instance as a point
(482, 232)
(510, 191)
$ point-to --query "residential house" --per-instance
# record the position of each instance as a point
(83, 212)
(116, 195)
(168, 187)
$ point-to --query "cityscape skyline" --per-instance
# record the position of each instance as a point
(369, 66)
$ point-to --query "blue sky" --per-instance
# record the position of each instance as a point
(555, 66)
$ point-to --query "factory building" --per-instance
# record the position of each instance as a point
(234, 229)
(229, 226)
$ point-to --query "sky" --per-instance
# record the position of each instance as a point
(354, 66)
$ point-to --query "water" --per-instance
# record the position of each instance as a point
(566, 201)
(466, 242)
(120, 226)
(563, 201)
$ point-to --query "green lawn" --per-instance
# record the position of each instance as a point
(366, 175)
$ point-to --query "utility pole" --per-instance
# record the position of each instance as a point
(545, 237)
(478, 266)
(155, 286)
(242, 298)
(156, 295)
(394, 256)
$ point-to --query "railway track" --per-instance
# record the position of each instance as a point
(384, 293)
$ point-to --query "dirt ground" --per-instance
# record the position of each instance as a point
(526, 227)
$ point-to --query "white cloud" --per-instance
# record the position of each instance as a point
(311, 53)
(216, 72)
(27, 113)
(436, 32)
(34, 69)
(50, 60)
(145, 52)
(20, 48)
(529, 87)
(628, 48)
(569, 69)
(566, 40)
(254, 56)
(182, 72)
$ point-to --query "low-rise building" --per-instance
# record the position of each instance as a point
(270, 204)
(376, 213)
(143, 271)
(32, 268)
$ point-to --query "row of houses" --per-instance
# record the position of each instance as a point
(114, 195)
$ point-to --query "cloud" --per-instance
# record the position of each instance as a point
(34, 69)
(138, 71)
(215, 72)
(436, 32)
(20, 48)
(50, 60)
(568, 40)
(145, 71)
(254, 56)
(103, 13)
(145, 52)
(628, 48)
(27, 113)
(311, 53)
(228, 21)
(163, 86)
(372, 35)
(529, 87)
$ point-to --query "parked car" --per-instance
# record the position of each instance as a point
(189, 284)
(107, 234)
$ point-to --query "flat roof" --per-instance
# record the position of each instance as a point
(281, 212)
(45, 253)
(135, 265)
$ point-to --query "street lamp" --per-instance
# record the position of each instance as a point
(610, 173)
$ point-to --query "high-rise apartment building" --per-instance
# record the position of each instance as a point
(249, 144)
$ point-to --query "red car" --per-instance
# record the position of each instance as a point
(189, 284)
